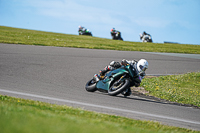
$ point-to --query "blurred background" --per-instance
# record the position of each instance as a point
(166, 20)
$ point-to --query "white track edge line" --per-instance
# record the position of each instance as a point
(99, 106)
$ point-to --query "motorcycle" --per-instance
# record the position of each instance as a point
(116, 36)
(114, 82)
(85, 32)
(146, 38)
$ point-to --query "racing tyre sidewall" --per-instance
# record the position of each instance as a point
(91, 86)
(120, 89)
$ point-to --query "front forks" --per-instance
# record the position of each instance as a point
(119, 81)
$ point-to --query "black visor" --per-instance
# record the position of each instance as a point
(142, 68)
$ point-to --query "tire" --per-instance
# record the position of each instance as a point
(91, 86)
(115, 90)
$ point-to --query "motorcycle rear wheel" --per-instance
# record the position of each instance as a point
(117, 89)
(91, 86)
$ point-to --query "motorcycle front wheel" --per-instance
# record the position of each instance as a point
(117, 88)
(91, 86)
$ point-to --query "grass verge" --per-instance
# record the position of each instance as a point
(183, 88)
(32, 37)
(20, 115)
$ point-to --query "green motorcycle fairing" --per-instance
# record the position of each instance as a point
(112, 75)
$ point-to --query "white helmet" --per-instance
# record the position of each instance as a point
(142, 65)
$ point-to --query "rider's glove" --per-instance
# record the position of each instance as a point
(117, 65)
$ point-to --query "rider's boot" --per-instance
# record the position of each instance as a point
(102, 73)
(106, 69)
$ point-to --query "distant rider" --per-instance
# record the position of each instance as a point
(113, 31)
(80, 28)
(145, 35)
(139, 68)
(116, 35)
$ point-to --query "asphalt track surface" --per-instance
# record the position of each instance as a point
(58, 75)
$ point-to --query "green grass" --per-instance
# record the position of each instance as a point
(183, 88)
(27, 116)
(32, 37)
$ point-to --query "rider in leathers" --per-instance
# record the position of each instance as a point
(139, 68)
(145, 35)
